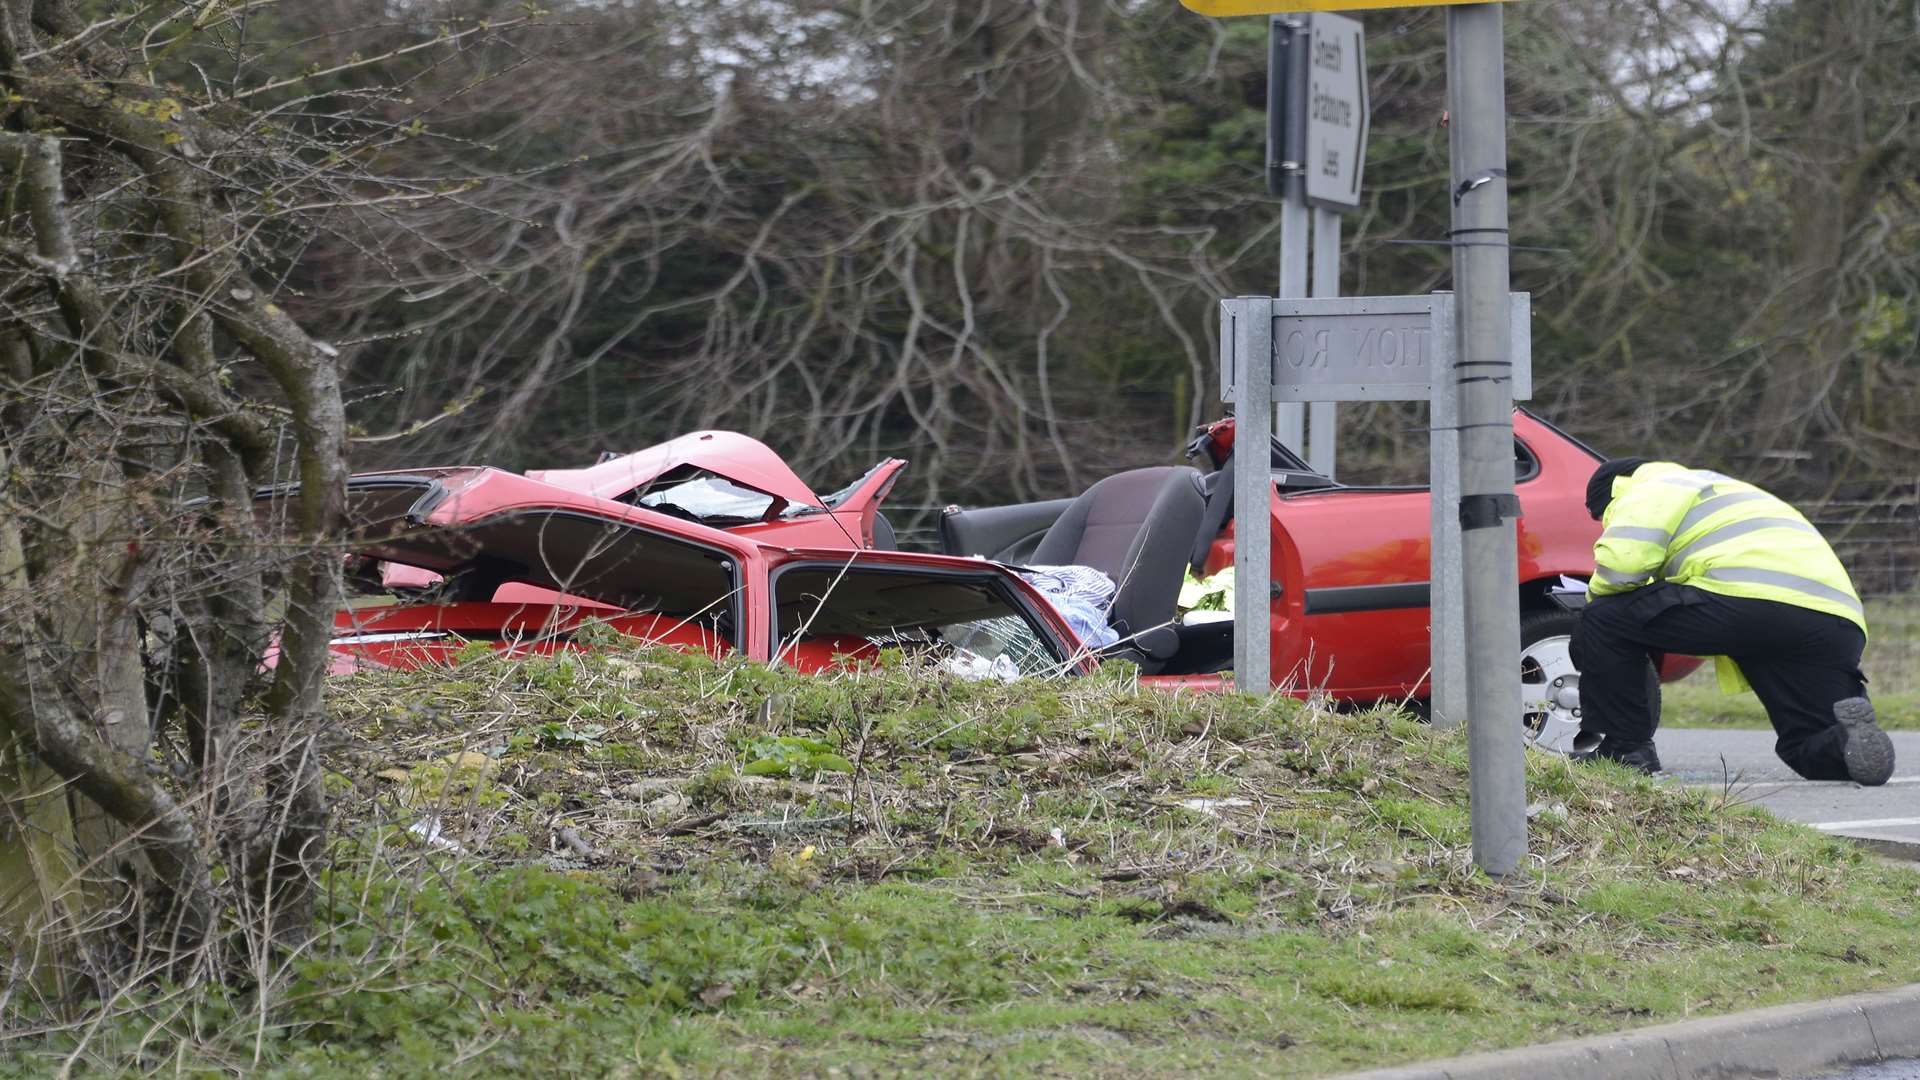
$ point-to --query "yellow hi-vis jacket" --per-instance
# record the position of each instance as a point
(1699, 528)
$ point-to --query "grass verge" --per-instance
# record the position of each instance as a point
(649, 864)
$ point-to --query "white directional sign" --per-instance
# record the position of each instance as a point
(1336, 111)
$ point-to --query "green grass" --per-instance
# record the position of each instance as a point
(1892, 665)
(1084, 878)
(1696, 702)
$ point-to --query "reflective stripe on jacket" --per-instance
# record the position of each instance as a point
(1699, 528)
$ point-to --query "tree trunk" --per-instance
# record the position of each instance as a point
(38, 875)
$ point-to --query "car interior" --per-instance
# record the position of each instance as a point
(1145, 528)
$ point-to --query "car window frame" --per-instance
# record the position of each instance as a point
(1063, 655)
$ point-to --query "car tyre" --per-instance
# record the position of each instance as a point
(1550, 684)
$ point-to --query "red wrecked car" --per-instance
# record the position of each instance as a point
(711, 542)
(483, 555)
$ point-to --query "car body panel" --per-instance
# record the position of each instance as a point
(848, 523)
(1353, 566)
(797, 514)
(420, 635)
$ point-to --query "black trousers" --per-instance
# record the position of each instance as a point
(1799, 661)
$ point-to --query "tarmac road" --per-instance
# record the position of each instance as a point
(1888, 817)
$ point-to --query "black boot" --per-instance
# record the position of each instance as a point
(1634, 755)
(1869, 752)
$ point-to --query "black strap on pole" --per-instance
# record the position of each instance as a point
(1287, 41)
(1278, 35)
(1487, 511)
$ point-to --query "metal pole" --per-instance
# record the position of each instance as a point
(1323, 430)
(1289, 38)
(1446, 619)
(1476, 91)
(1251, 336)
(1290, 417)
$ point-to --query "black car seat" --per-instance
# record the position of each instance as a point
(1138, 527)
(1217, 489)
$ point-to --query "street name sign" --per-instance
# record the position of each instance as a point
(1360, 348)
(1219, 8)
(1336, 112)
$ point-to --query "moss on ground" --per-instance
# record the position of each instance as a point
(646, 863)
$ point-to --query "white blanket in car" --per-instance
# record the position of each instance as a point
(1081, 595)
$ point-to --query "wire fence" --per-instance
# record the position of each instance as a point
(1878, 540)
(916, 527)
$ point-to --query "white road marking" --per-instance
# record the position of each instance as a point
(1871, 823)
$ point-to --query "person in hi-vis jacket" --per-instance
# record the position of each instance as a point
(1701, 564)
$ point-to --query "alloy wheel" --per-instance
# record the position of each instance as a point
(1550, 694)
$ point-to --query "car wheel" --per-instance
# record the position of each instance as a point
(1550, 684)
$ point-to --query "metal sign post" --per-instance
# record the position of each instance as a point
(1476, 91)
(1338, 117)
(1246, 332)
(1323, 416)
(1447, 698)
(1287, 59)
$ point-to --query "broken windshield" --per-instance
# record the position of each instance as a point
(709, 500)
(713, 500)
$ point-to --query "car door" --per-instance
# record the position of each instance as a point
(1360, 559)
